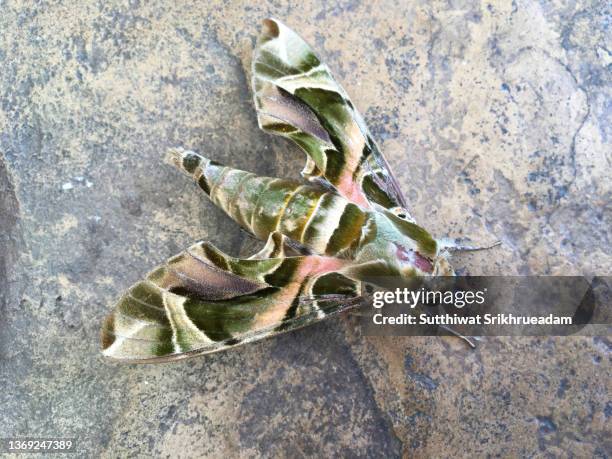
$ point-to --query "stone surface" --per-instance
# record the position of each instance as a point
(496, 117)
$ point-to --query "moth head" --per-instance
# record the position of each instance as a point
(412, 262)
(414, 250)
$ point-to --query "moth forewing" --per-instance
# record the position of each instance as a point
(297, 97)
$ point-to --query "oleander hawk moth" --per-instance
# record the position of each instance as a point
(344, 227)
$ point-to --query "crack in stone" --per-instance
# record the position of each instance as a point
(9, 219)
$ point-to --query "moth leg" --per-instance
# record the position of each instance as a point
(451, 245)
(459, 335)
(358, 313)
(456, 333)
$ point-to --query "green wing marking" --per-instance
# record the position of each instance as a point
(203, 301)
(297, 97)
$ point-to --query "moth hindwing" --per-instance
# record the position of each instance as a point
(203, 301)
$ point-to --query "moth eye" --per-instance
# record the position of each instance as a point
(401, 215)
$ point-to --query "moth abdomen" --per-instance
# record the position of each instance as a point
(312, 215)
(256, 203)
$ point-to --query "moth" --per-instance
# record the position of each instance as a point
(342, 228)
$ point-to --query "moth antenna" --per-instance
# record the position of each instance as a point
(450, 245)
